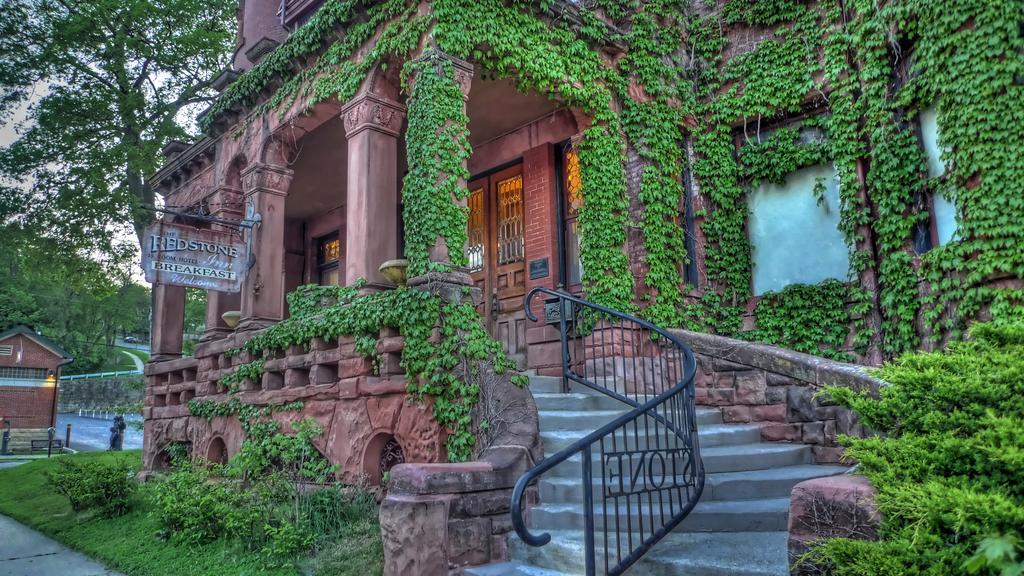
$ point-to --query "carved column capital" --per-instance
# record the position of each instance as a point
(226, 201)
(266, 178)
(463, 70)
(371, 112)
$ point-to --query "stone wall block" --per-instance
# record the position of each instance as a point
(736, 413)
(469, 541)
(351, 367)
(701, 395)
(750, 387)
(800, 401)
(487, 503)
(499, 548)
(726, 380)
(833, 507)
(781, 432)
(720, 397)
(723, 365)
(323, 374)
(774, 379)
(828, 454)
(830, 432)
(272, 381)
(769, 413)
(813, 433)
(390, 344)
(775, 395)
(415, 534)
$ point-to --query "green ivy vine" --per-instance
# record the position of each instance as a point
(678, 79)
(447, 368)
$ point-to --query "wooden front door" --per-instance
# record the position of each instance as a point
(495, 249)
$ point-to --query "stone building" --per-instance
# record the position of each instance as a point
(30, 365)
(710, 165)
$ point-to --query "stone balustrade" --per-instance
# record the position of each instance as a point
(363, 408)
(779, 389)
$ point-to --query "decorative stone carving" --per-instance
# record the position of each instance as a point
(463, 69)
(266, 178)
(370, 112)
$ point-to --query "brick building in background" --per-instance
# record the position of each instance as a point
(30, 367)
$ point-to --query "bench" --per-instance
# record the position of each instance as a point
(41, 444)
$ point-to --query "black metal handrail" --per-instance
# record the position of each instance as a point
(649, 456)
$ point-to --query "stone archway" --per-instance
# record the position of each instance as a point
(217, 451)
(382, 454)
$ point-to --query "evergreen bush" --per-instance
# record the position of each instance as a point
(949, 463)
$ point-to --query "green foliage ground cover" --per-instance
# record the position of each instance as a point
(136, 543)
(950, 467)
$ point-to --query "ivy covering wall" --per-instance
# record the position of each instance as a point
(658, 76)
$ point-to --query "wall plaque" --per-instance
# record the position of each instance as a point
(184, 256)
(539, 268)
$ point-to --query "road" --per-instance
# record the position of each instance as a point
(91, 434)
(131, 345)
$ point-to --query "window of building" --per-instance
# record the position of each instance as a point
(794, 230)
(943, 210)
(18, 373)
(573, 186)
(328, 260)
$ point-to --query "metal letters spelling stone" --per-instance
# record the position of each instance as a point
(640, 472)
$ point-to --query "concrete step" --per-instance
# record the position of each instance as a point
(735, 458)
(678, 554)
(765, 515)
(510, 569)
(771, 483)
(577, 401)
(589, 420)
(639, 439)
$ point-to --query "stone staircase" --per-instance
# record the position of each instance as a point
(738, 527)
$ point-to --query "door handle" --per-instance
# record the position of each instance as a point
(495, 305)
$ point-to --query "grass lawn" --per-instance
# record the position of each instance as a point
(130, 543)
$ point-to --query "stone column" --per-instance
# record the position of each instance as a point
(265, 187)
(168, 322)
(372, 126)
(463, 76)
(227, 204)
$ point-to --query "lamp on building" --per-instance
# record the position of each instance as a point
(51, 378)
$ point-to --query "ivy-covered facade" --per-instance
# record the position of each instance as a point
(840, 177)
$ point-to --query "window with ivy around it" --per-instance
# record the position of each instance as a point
(328, 260)
(794, 208)
(573, 186)
(943, 211)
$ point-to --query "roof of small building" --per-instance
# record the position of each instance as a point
(21, 329)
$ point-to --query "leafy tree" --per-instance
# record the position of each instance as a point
(68, 295)
(107, 82)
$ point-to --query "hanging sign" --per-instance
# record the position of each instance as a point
(184, 256)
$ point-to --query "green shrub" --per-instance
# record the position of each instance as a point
(103, 486)
(949, 467)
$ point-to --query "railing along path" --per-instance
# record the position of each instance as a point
(641, 473)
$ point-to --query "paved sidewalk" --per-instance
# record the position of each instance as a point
(25, 552)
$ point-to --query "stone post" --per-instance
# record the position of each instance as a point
(265, 187)
(372, 126)
(168, 322)
(439, 253)
(228, 206)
